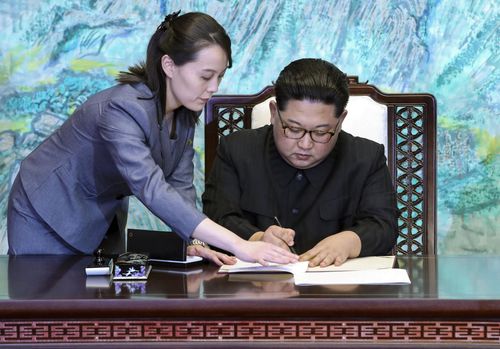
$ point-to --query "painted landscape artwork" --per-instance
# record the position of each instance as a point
(54, 54)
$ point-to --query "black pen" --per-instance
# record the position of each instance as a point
(291, 247)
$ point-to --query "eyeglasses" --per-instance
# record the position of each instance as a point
(299, 132)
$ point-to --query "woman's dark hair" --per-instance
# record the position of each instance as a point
(180, 37)
(313, 79)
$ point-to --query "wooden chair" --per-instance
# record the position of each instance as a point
(404, 122)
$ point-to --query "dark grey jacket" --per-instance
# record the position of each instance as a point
(111, 147)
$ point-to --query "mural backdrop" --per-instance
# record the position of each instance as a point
(54, 54)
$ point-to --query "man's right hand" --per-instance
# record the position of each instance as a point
(276, 235)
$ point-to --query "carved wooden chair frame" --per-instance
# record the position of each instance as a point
(411, 127)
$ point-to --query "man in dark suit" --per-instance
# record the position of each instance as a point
(302, 182)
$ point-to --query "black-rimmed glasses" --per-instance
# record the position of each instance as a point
(293, 132)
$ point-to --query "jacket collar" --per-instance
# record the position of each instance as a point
(283, 173)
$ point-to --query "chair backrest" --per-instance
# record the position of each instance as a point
(404, 122)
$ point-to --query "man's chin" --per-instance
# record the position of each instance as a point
(301, 165)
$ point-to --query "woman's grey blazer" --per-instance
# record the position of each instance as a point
(113, 146)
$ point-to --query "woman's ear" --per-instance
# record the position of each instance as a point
(168, 65)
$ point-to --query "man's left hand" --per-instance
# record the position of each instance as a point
(334, 249)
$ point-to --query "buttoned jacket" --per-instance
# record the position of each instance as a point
(115, 144)
(356, 194)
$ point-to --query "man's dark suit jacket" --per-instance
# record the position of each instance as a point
(242, 194)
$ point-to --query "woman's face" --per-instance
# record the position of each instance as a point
(192, 84)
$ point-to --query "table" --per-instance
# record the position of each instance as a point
(452, 301)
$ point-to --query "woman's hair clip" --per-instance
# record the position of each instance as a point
(168, 20)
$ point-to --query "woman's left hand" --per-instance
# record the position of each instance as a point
(218, 258)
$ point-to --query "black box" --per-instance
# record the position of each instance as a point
(159, 245)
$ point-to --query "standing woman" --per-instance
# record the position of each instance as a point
(135, 138)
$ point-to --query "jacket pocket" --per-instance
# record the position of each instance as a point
(91, 186)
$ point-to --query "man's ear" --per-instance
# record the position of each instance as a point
(168, 65)
(341, 120)
(273, 107)
(343, 115)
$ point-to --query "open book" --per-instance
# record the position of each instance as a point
(356, 277)
(360, 263)
(246, 267)
(363, 270)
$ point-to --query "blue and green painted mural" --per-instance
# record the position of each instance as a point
(54, 54)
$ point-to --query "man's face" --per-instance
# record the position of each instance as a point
(305, 115)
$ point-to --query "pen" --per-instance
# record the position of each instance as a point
(291, 247)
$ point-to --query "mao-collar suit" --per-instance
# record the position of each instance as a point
(351, 189)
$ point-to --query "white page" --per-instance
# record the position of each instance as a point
(241, 266)
(358, 277)
(360, 263)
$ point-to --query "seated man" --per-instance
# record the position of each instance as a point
(302, 182)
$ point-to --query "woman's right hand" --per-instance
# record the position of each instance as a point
(248, 251)
(263, 253)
